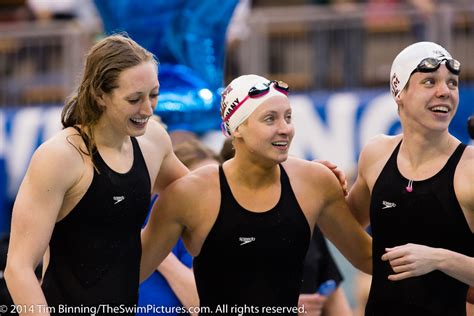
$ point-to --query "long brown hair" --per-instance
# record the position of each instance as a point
(103, 65)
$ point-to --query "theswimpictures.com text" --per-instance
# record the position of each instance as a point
(224, 309)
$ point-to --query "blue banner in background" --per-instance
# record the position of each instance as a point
(331, 126)
(335, 126)
(188, 38)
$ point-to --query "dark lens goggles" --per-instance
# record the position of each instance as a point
(432, 64)
(258, 91)
(262, 88)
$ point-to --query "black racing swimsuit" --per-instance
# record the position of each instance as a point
(429, 215)
(95, 250)
(253, 260)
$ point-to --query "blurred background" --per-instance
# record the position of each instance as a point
(311, 44)
(335, 55)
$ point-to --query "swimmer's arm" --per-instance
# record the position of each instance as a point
(412, 260)
(340, 227)
(181, 280)
(171, 167)
(165, 226)
(358, 198)
(454, 264)
(35, 212)
(457, 265)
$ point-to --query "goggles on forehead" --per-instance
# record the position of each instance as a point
(431, 64)
(262, 88)
(257, 91)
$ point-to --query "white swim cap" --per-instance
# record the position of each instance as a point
(236, 103)
(407, 61)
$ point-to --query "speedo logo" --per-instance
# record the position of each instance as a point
(118, 199)
(246, 240)
(388, 205)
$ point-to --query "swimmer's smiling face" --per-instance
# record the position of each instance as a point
(130, 105)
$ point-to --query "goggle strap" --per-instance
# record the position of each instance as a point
(224, 130)
(258, 93)
(227, 117)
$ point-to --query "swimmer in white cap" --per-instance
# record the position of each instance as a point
(248, 222)
(416, 190)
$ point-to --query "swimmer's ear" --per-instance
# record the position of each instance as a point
(239, 130)
(399, 102)
(237, 133)
(99, 97)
